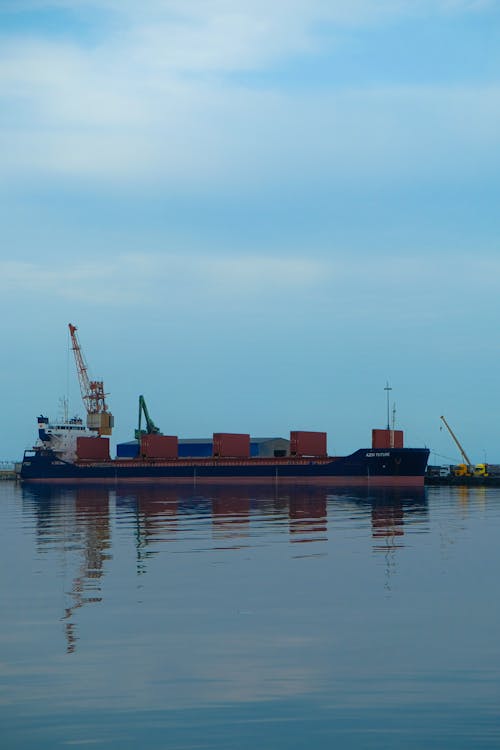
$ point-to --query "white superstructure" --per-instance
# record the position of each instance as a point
(60, 436)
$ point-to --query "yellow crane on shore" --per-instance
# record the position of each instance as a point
(462, 470)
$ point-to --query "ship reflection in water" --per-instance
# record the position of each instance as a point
(81, 523)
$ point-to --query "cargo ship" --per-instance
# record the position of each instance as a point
(69, 452)
(234, 458)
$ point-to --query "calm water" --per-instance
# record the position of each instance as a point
(249, 618)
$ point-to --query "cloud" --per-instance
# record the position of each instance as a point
(200, 36)
(150, 102)
(148, 280)
(92, 126)
(341, 285)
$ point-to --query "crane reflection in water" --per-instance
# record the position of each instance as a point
(77, 524)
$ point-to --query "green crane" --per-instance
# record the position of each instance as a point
(151, 428)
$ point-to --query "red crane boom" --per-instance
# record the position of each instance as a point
(93, 396)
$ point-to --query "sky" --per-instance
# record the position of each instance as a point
(257, 214)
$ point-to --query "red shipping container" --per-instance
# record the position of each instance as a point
(308, 443)
(387, 439)
(159, 446)
(95, 448)
(231, 445)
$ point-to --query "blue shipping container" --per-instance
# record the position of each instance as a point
(127, 450)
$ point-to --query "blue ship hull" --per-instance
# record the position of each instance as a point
(401, 467)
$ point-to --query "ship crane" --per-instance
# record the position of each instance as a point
(465, 457)
(98, 416)
(151, 428)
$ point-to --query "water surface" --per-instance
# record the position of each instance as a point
(249, 618)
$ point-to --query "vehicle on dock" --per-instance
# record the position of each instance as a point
(487, 470)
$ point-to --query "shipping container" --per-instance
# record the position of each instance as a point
(387, 439)
(307, 444)
(231, 445)
(127, 450)
(159, 446)
(96, 448)
(196, 448)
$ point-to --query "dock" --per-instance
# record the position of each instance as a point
(9, 471)
(462, 481)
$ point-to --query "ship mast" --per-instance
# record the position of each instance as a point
(388, 389)
(98, 416)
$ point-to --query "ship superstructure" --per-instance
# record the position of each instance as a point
(60, 436)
